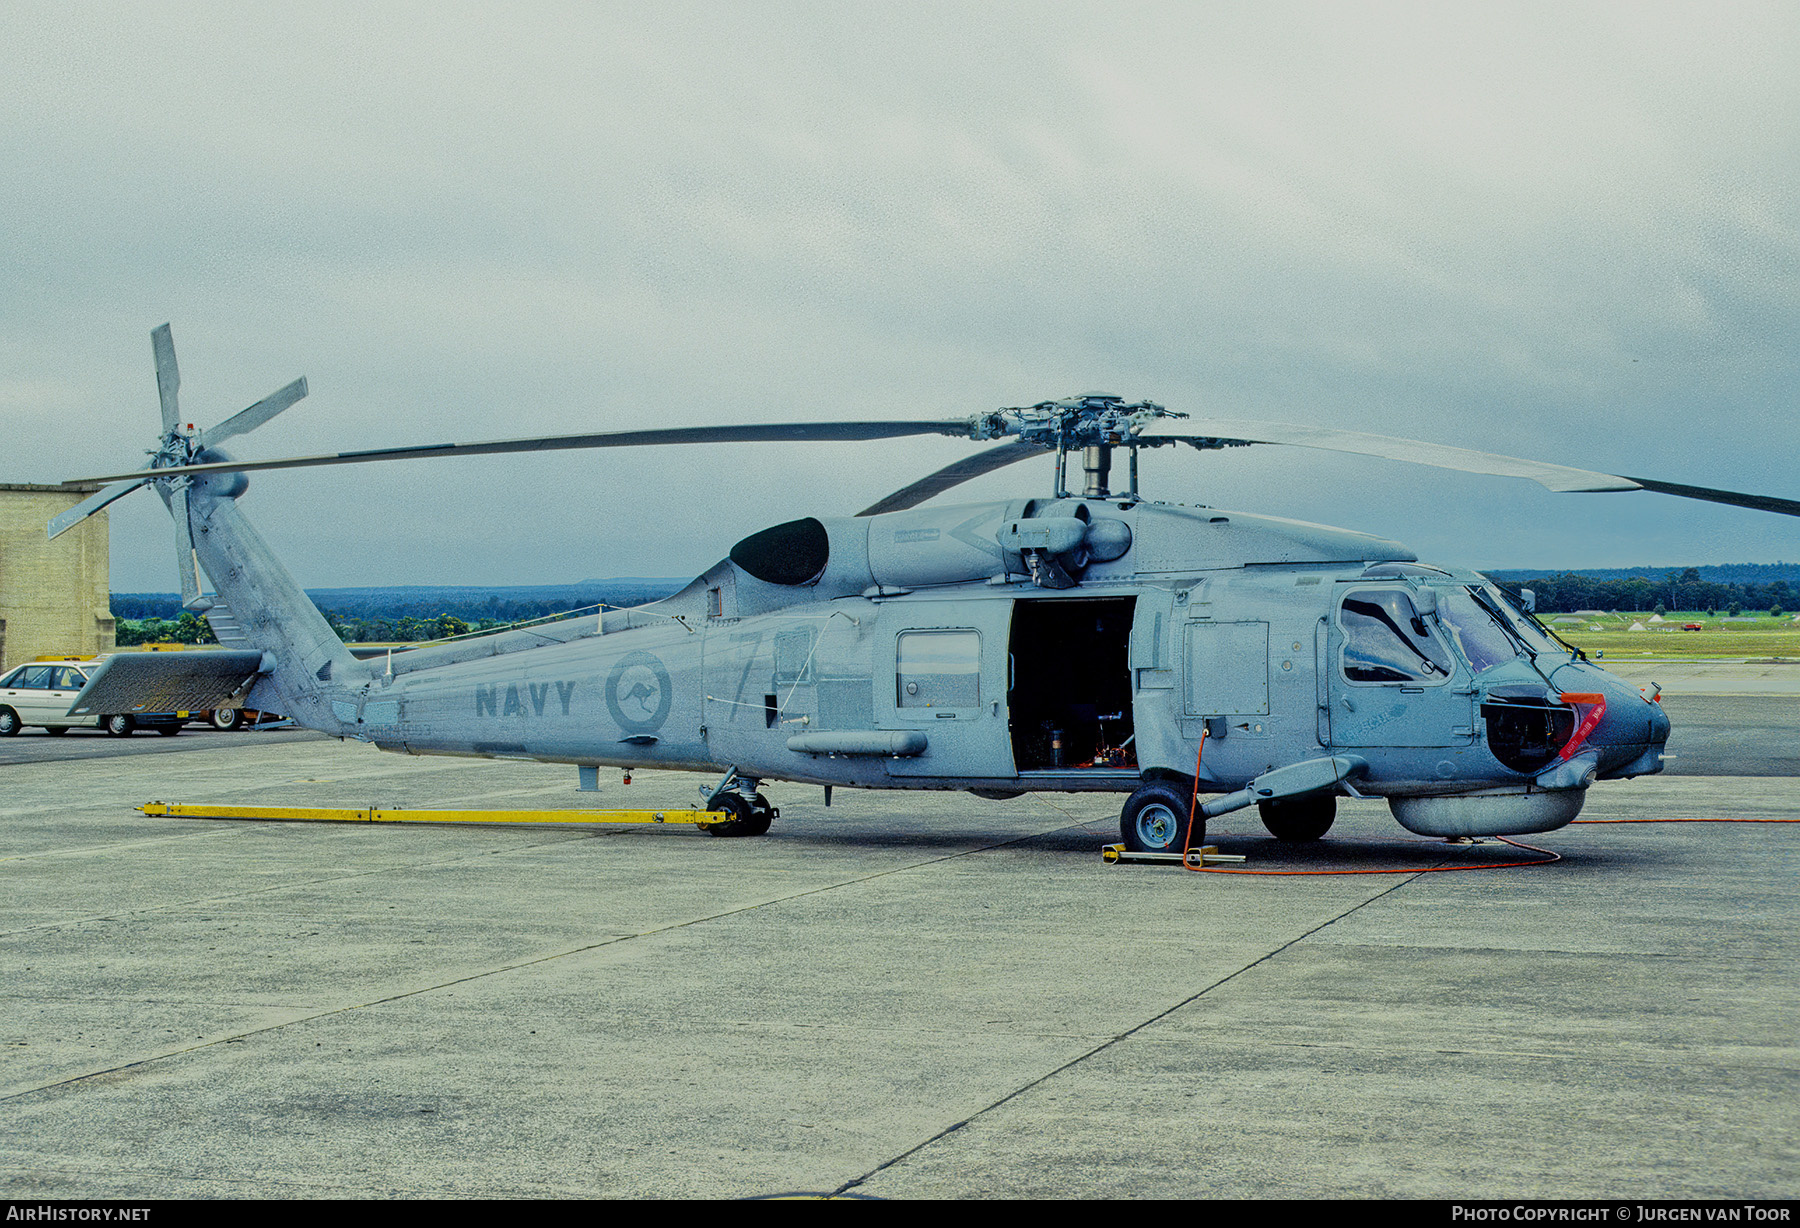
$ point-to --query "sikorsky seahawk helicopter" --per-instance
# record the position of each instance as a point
(1087, 640)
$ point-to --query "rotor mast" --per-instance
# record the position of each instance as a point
(1092, 423)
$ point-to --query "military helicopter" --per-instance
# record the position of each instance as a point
(1083, 640)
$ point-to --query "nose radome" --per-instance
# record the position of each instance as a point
(1632, 733)
(1630, 717)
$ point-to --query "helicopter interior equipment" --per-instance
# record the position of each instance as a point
(1085, 640)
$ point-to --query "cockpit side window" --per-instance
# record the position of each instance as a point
(1479, 634)
(1385, 640)
(1527, 627)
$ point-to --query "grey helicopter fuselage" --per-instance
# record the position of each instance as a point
(1006, 647)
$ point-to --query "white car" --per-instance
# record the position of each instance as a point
(42, 693)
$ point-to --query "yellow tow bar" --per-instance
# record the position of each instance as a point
(318, 814)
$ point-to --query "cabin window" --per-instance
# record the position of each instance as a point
(938, 669)
(1385, 640)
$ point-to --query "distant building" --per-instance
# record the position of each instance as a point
(55, 596)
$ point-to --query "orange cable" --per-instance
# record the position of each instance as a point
(1575, 821)
(1187, 836)
(1547, 859)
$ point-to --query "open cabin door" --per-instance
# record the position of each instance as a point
(1071, 685)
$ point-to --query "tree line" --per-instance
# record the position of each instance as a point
(189, 628)
(147, 618)
(399, 615)
(1568, 592)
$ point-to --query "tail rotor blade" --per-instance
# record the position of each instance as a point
(247, 420)
(87, 507)
(168, 376)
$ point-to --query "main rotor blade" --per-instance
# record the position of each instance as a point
(954, 475)
(168, 376)
(185, 560)
(247, 420)
(1214, 432)
(787, 432)
(1762, 503)
(64, 521)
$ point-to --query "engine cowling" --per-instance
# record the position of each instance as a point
(921, 547)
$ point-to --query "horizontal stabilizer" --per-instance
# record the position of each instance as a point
(200, 681)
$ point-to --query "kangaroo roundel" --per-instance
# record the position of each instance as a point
(638, 693)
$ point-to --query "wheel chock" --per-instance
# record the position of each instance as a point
(1208, 854)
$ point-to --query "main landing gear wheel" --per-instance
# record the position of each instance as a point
(748, 817)
(119, 726)
(1155, 820)
(56, 731)
(1299, 819)
(168, 731)
(9, 723)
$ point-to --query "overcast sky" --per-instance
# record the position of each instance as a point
(1567, 232)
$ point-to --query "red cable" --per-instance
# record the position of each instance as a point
(1496, 865)
(1575, 821)
(1588, 722)
(1193, 803)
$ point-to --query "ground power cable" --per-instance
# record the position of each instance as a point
(1187, 837)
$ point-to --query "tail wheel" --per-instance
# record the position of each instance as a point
(748, 817)
(765, 814)
(1155, 820)
(9, 723)
(119, 726)
(743, 815)
(1299, 819)
(227, 718)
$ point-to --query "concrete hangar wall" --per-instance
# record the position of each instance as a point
(55, 596)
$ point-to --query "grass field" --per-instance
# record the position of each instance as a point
(1718, 637)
